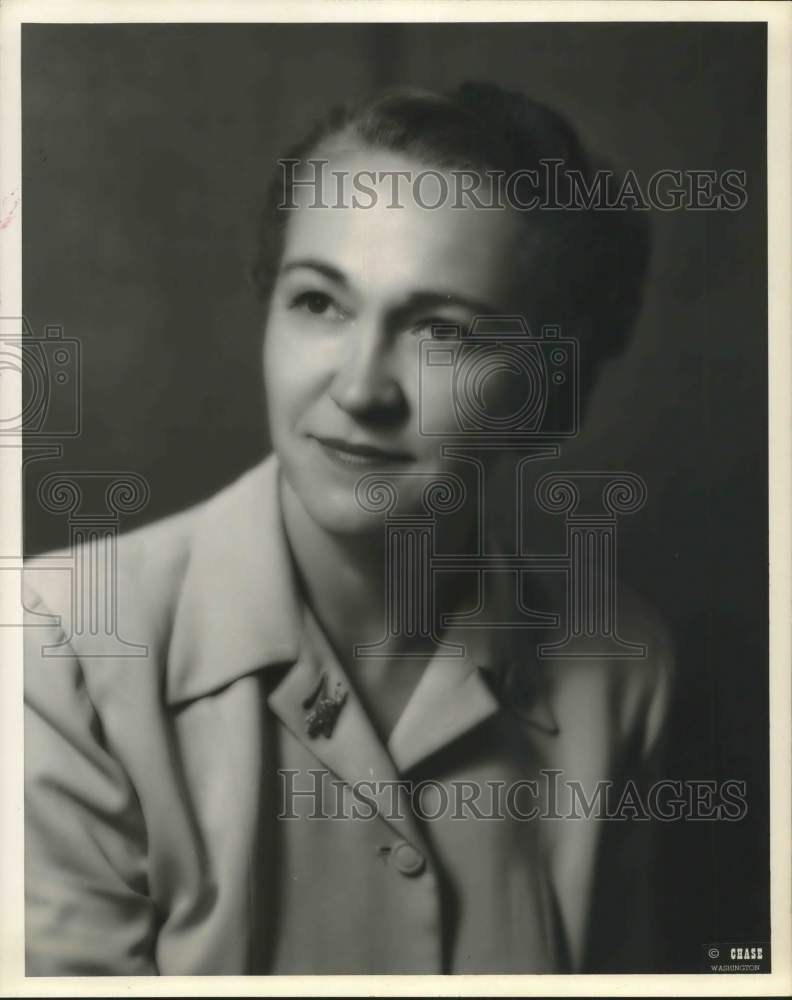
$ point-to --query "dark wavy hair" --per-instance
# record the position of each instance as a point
(590, 272)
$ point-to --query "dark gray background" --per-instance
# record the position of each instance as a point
(145, 153)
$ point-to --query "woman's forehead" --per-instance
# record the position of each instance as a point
(363, 218)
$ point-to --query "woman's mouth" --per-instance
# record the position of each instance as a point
(359, 455)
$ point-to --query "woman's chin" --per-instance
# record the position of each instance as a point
(359, 501)
(342, 515)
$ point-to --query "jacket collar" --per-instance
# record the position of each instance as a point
(238, 608)
(240, 611)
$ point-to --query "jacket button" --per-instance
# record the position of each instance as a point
(407, 859)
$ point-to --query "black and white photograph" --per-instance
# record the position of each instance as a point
(389, 394)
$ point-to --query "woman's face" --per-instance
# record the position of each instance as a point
(357, 289)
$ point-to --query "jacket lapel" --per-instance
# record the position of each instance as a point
(454, 695)
(238, 609)
(353, 750)
(450, 699)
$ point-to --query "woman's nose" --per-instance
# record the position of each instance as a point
(365, 385)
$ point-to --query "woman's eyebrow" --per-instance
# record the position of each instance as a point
(419, 299)
(431, 299)
(327, 270)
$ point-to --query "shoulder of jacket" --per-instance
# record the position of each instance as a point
(643, 684)
(634, 690)
(147, 564)
(156, 552)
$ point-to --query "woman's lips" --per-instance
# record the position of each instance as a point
(358, 455)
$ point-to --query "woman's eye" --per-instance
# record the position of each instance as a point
(439, 327)
(317, 304)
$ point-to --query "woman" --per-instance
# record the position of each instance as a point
(230, 802)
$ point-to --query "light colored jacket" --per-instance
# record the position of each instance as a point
(151, 839)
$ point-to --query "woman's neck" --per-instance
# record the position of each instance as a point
(343, 580)
(341, 576)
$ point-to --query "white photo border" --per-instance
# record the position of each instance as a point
(778, 17)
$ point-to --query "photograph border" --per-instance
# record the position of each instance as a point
(778, 17)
